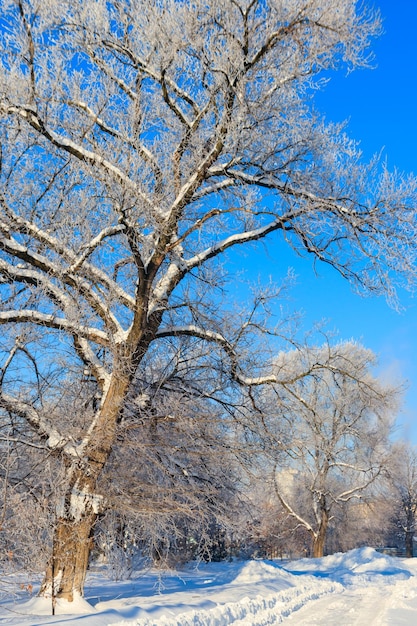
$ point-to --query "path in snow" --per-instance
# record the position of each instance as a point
(389, 603)
(355, 608)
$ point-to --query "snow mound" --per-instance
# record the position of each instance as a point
(355, 562)
(43, 606)
(260, 593)
(361, 560)
(259, 571)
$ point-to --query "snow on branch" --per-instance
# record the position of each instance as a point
(355, 492)
(55, 440)
(233, 240)
(195, 331)
(144, 67)
(89, 248)
(290, 510)
(142, 150)
(13, 273)
(269, 182)
(51, 321)
(89, 358)
(70, 146)
(10, 245)
(284, 380)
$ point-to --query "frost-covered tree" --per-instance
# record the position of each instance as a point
(142, 142)
(187, 478)
(330, 431)
(402, 477)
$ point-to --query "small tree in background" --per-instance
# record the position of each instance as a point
(402, 477)
(329, 431)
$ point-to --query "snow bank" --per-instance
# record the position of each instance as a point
(261, 593)
(43, 606)
(361, 587)
(364, 561)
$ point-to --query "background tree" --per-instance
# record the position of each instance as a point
(141, 141)
(267, 530)
(402, 477)
(359, 522)
(331, 433)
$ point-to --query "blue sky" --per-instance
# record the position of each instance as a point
(381, 107)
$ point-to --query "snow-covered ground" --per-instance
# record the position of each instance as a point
(359, 588)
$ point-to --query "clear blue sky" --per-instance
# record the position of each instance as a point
(381, 106)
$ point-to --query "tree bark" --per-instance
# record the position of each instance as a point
(319, 538)
(409, 534)
(409, 530)
(66, 572)
(65, 576)
(77, 513)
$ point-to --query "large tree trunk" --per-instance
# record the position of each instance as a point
(409, 534)
(409, 530)
(319, 538)
(72, 540)
(77, 512)
(67, 569)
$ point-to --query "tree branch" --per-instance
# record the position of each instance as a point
(70, 146)
(45, 430)
(58, 323)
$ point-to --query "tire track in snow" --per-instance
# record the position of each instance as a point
(257, 611)
(369, 605)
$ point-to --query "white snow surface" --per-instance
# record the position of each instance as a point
(359, 588)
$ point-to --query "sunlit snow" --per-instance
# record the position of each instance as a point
(361, 588)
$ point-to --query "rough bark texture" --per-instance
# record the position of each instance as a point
(320, 538)
(66, 572)
(65, 576)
